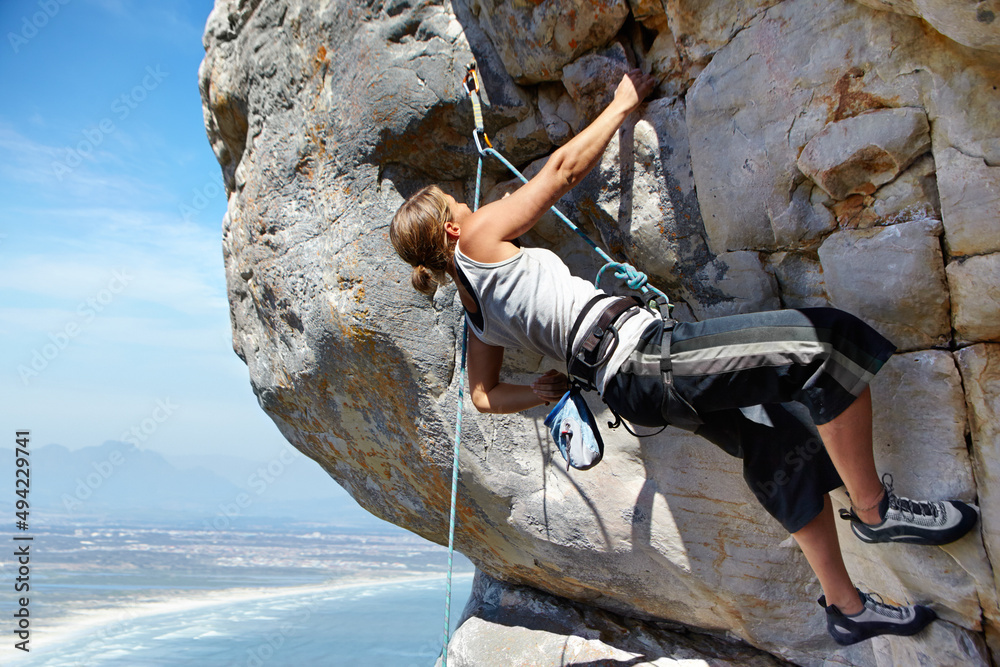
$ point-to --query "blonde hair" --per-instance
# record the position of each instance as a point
(418, 235)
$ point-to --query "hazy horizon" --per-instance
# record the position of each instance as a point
(218, 492)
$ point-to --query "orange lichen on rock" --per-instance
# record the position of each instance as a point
(849, 99)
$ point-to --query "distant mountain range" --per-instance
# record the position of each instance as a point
(120, 480)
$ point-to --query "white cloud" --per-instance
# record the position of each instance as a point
(81, 177)
(89, 328)
(161, 259)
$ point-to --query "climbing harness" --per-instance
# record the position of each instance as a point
(581, 365)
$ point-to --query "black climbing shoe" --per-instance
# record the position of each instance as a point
(915, 522)
(877, 618)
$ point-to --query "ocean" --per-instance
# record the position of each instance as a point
(398, 623)
(127, 597)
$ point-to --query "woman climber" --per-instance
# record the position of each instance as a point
(727, 379)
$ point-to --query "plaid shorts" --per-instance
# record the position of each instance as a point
(759, 383)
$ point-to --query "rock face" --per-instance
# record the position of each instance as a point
(907, 296)
(516, 625)
(796, 153)
(858, 154)
(971, 23)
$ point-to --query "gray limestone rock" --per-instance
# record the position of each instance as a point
(591, 80)
(858, 154)
(536, 41)
(893, 278)
(970, 203)
(962, 95)
(920, 434)
(559, 113)
(951, 645)
(742, 280)
(744, 155)
(975, 297)
(663, 59)
(324, 116)
(805, 64)
(806, 219)
(980, 368)
(514, 625)
(650, 12)
(702, 28)
(970, 23)
(800, 279)
(913, 195)
(899, 6)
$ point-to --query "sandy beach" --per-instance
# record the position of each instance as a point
(103, 623)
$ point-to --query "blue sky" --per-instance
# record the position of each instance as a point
(114, 317)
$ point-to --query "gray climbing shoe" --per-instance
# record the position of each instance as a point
(877, 618)
(915, 522)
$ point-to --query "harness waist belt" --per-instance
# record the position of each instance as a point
(598, 346)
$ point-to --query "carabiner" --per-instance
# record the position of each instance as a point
(471, 74)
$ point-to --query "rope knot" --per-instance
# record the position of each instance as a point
(634, 278)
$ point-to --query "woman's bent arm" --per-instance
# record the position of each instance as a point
(499, 222)
(491, 395)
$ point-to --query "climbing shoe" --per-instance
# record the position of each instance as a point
(877, 618)
(914, 522)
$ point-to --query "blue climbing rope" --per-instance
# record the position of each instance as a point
(454, 496)
(454, 465)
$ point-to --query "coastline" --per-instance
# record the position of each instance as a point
(103, 623)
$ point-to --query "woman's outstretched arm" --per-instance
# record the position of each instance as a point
(491, 395)
(486, 238)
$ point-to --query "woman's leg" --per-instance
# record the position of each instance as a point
(790, 471)
(819, 543)
(851, 617)
(848, 441)
(825, 360)
(822, 357)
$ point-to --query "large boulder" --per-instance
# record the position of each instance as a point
(858, 154)
(324, 116)
(971, 23)
(894, 278)
(975, 289)
(516, 625)
(537, 39)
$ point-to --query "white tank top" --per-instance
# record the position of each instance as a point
(531, 301)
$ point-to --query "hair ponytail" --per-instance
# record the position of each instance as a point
(417, 233)
(423, 280)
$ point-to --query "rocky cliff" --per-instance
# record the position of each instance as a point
(795, 153)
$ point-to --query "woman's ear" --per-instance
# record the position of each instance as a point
(452, 230)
